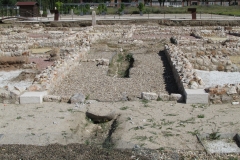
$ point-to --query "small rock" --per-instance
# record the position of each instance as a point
(78, 98)
(235, 103)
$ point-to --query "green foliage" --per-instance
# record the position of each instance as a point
(214, 136)
(124, 108)
(121, 9)
(129, 57)
(141, 7)
(194, 133)
(84, 9)
(58, 5)
(102, 8)
(200, 116)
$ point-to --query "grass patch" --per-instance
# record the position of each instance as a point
(211, 9)
(214, 136)
(120, 65)
(124, 108)
(200, 116)
(165, 123)
(198, 105)
(190, 120)
(137, 128)
(141, 138)
(19, 117)
(171, 114)
(194, 133)
(167, 133)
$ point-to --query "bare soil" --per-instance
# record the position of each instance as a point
(145, 130)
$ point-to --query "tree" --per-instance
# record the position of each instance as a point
(8, 2)
(141, 7)
(102, 8)
(58, 5)
(160, 2)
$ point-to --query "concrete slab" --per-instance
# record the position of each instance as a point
(32, 97)
(196, 96)
(220, 143)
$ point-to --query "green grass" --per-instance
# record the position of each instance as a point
(194, 133)
(200, 116)
(124, 108)
(214, 136)
(19, 117)
(141, 138)
(214, 9)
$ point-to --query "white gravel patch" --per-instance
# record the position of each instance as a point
(5, 80)
(222, 146)
(213, 78)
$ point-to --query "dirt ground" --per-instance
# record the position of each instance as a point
(156, 125)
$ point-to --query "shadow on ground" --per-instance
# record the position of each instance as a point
(170, 83)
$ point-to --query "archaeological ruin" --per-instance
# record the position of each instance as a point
(120, 63)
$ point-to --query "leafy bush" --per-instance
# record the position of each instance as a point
(141, 7)
(102, 8)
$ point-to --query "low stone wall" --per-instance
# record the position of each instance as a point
(228, 93)
(190, 83)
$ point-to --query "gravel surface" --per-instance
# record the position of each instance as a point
(85, 152)
(150, 73)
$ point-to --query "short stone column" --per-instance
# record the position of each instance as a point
(93, 18)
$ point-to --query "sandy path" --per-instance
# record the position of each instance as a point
(152, 125)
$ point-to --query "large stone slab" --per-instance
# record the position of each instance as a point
(196, 96)
(32, 97)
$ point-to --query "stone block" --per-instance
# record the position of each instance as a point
(175, 97)
(149, 95)
(32, 97)
(164, 96)
(196, 96)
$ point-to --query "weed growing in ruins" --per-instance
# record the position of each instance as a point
(30, 115)
(194, 133)
(145, 101)
(39, 107)
(214, 135)
(150, 120)
(129, 118)
(156, 125)
(137, 128)
(161, 149)
(159, 99)
(124, 108)
(190, 120)
(19, 117)
(165, 123)
(87, 142)
(171, 114)
(88, 120)
(141, 138)
(155, 133)
(64, 134)
(198, 105)
(60, 117)
(167, 133)
(200, 116)
(87, 97)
